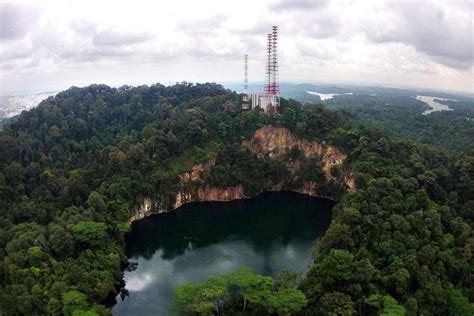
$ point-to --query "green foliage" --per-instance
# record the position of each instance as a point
(96, 201)
(73, 168)
(391, 307)
(241, 292)
(400, 115)
(203, 299)
(92, 233)
(398, 243)
(74, 301)
(336, 303)
(286, 302)
(458, 304)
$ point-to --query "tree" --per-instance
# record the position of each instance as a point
(391, 307)
(91, 233)
(338, 236)
(243, 290)
(73, 301)
(96, 201)
(254, 288)
(60, 241)
(336, 268)
(286, 302)
(287, 279)
(336, 303)
(458, 304)
(185, 295)
(202, 298)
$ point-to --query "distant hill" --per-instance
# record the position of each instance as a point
(395, 110)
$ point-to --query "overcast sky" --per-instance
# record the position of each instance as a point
(51, 45)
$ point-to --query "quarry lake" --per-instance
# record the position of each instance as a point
(268, 233)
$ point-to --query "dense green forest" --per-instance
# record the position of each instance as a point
(401, 117)
(73, 168)
(395, 110)
(398, 112)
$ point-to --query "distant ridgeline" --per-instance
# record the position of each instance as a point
(399, 112)
(74, 169)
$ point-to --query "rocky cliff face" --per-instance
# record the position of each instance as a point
(276, 142)
(196, 193)
(269, 141)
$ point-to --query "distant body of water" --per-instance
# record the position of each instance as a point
(327, 96)
(435, 106)
(268, 234)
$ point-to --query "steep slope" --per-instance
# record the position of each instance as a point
(277, 142)
(272, 142)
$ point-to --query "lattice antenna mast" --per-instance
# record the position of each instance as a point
(268, 71)
(275, 87)
(245, 96)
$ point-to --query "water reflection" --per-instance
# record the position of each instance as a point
(268, 234)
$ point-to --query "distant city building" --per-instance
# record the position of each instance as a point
(245, 93)
(269, 100)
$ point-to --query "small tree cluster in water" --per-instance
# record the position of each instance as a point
(241, 293)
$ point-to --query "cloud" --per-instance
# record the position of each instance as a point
(202, 27)
(109, 35)
(17, 19)
(325, 24)
(408, 38)
(19, 49)
(314, 19)
(297, 5)
(318, 50)
(445, 33)
(114, 38)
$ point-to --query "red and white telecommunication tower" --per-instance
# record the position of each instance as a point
(269, 100)
(275, 86)
(268, 67)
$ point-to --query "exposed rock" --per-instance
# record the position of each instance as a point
(143, 210)
(276, 142)
(349, 180)
(207, 193)
(198, 171)
(193, 194)
(269, 141)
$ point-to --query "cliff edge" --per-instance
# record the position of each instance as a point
(268, 142)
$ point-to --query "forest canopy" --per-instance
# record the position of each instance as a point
(72, 169)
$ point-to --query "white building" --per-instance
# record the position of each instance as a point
(269, 103)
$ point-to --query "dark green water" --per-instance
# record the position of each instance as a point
(269, 233)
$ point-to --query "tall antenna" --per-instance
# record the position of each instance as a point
(268, 84)
(275, 86)
(245, 96)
